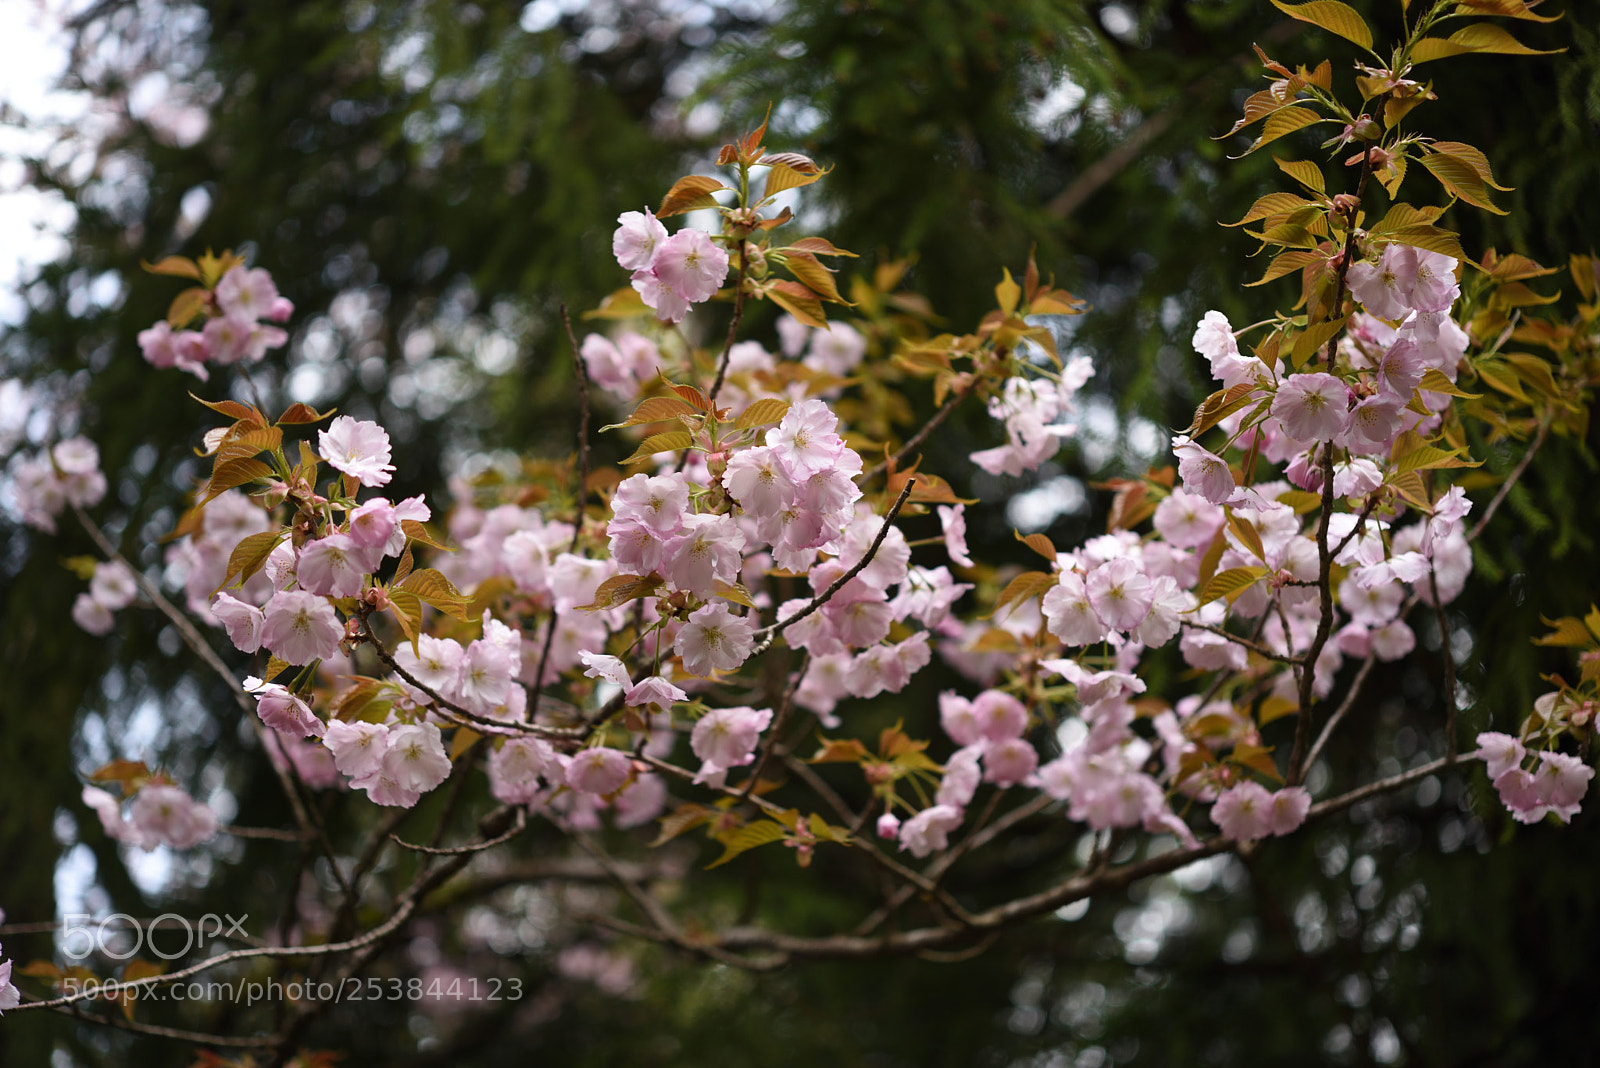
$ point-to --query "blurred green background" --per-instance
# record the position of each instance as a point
(428, 181)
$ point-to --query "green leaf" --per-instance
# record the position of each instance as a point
(1460, 179)
(423, 534)
(1568, 633)
(1332, 16)
(789, 170)
(431, 586)
(186, 305)
(1479, 37)
(1434, 381)
(177, 266)
(234, 473)
(1306, 173)
(763, 412)
(688, 193)
(812, 274)
(1247, 534)
(799, 302)
(683, 818)
(748, 837)
(1231, 583)
(819, 246)
(249, 556)
(1286, 263)
(670, 441)
(1026, 585)
(1007, 293)
(1272, 206)
(619, 590)
(1220, 405)
(655, 410)
(1282, 122)
(1311, 341)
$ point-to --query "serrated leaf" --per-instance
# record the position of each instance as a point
(233, 410)
(1026, 585)
(619, 590)
(670, 441)
(177, 266)
(1247, 534)
(762, 412)
(1313, 338)
(748, 837)
(683, 818)
(688, 193)
(1461, 180)
(1218, 406)
(407, 609)
(692, 395)
(186, 305)
(234, 473)
(298, 413)
(811, 273)
(431, 586)
(1256, 758)
(624, 303)
(1275, 707)
(1332, 16)
(1428, 458)
(734, 592)
(840, 751)
(799, 302)
(820, 246)
(1231, 583)
(1038, 543)
(789, 170)
(250, 556)
(1280, 123)
(1306, 173)
(464, 739)
(1007, 292)
(1567, 632)
(1432, 238)
(1271, 206)
(1434, 381)
(1478, 37)
(655, 410)
(353, 702)
(1286, 263)
(423, 534)
(996, 640)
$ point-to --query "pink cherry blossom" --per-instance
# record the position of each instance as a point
(637, 238)
(1203, 473)
(414, 758)
(726, 737)
(301, 627)
(1313, 406)
(1121, 593)
(248, 294)
(598, 770)
(358, 747)
(165, 815)
(1499, 752)
(1009, 762)
(929, 830)
(691, 265)
(1244, 812)
(334, 566)
(707, 551)
(714, 639)
(358, 448)
(92, 616)
(1288, 809)
(953, 522)
(1070, 615)
(282, 710)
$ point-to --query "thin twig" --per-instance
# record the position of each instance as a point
(950, 405)
(1343, 710)
(474, 847)
(733, 328)
(773, 736)
(1254, 647)
(1511, 479)
(773, 630)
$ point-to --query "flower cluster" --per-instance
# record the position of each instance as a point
(160, 814)
(10, 997)
(239, 310)
(111, 589)
(669, 273)
(47, 482)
